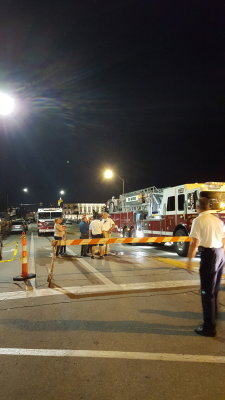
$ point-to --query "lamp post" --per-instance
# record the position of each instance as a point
(7, 104)
(61, 192)
(22, 205)
(108, 174)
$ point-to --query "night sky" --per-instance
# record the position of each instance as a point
(137, 86)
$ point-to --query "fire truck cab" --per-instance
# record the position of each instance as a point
(166, 212)
(46, 219)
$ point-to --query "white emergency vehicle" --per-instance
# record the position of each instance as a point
(46, 219)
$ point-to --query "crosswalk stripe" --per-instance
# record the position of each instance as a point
(126, 355)
(95, 290)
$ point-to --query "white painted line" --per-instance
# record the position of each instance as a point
(191, 358)
(91, 269)
(102, 289)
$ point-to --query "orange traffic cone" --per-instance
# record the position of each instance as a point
(24, 276)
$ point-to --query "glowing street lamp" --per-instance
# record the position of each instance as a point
(25, 190)
(61, 192)
(7, 104)
(109, 174)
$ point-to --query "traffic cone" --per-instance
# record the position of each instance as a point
(24, 276)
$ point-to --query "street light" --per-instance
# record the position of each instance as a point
(7, 104)
(25, 190)
(108, 174)
(61, 192)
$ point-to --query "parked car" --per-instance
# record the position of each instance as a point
(18, 225)
(68, 222)
(4, 224)
(30, 220)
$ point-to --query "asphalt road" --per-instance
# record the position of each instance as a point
(119, 328)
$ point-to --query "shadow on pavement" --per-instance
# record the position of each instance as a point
(180, 314)
(100, 326)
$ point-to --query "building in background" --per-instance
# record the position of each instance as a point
(76, 210)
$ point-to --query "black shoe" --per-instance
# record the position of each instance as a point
(92, 257)
(200, 330)
(101, 257)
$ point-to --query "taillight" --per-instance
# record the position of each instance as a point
(41, 224)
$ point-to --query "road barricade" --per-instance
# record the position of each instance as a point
(24, 275)
(80, 242)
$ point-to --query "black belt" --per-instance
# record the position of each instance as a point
(202, 248)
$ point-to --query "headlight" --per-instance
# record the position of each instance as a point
(139, 234)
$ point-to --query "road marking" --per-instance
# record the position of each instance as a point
(174, 263)
(126, 355)
(179, 264)
(104, 290)
(91, 269)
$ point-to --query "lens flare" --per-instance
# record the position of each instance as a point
(7, 104)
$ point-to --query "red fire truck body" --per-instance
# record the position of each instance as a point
(165, 212)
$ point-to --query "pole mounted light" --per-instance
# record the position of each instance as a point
(7, 104)
(62, 192)
(109, 174)
(25, 190)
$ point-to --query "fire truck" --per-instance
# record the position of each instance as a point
(165, 212)
(46, 219)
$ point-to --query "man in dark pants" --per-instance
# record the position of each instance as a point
(84, 234)
(207, 232)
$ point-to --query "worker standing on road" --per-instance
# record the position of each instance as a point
(64, 237)
(58, 234)
(84, 234)
(95, 230)
(107, 226)
(207, 232)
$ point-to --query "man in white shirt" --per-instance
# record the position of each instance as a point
(207, 232)
(95, 230)
(107, 226)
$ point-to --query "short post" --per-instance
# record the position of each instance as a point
(50, 272)
(0, 248)
(24, 275)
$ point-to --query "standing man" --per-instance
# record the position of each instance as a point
(207, 232)
(95, 229)
(58, 234)
(84, 234)
(107, 226)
